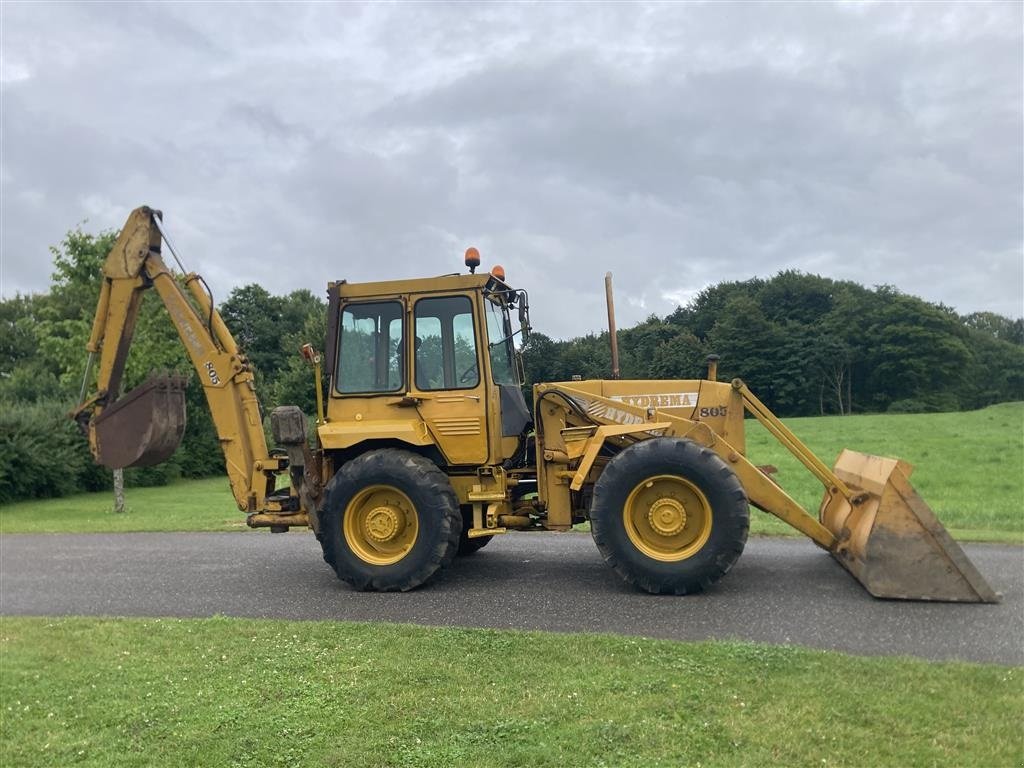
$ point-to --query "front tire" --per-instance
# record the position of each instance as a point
(390, 521)
(669, 516)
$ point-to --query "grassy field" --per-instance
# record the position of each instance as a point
(970, 470)
(969, 467)
(187, 505)
(219, 692)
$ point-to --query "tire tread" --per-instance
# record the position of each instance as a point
(653, 456)
(403, 466)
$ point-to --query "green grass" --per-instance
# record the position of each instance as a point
(969, 469)
(187, 505)
(220, 692)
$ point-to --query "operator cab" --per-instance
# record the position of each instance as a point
(430, 363)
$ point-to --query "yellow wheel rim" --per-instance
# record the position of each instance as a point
(381, 525)
(667, 518)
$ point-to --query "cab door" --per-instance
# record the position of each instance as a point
(447, 377)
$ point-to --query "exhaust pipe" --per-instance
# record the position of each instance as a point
(612, 333)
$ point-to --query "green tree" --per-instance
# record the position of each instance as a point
(638, 345)
(916, 354)
(542, 359)
(254, 319)
(587, 356)
(294, 383)
(796, 298)
(270, 330)
(66, 314)
(680, 357)
(25, 375)
(710, 306)
(747, 343)
(997, 326)
(995, 372)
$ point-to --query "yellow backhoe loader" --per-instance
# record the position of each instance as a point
(425, 447)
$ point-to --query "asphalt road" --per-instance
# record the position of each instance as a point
(781, 591)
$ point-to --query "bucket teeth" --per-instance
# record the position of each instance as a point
(891, 541)
(144, 427)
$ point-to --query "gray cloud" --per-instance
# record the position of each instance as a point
(675, 145)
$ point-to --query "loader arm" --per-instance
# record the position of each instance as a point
(135, 429)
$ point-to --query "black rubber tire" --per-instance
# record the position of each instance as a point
(437, 512)
(730, 515)
(468, 546)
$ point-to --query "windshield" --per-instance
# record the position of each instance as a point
(499, 337)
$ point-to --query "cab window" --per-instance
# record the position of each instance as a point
(371, 351)
(499, 338)
(445, 344)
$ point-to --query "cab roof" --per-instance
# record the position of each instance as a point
(442, 283)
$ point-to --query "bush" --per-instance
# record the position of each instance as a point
(161, 474)
(42, 452)
(200, 454)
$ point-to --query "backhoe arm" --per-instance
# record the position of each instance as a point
(134, 265)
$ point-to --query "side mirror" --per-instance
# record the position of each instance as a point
(524, 314)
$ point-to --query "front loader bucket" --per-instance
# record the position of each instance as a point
(144, 427)
(891, 541)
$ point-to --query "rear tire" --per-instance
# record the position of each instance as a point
(390, 521)
(669, 516)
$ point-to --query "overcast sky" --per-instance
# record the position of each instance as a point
(676, 144)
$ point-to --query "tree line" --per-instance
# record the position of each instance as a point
(806, 344)
(809, 345)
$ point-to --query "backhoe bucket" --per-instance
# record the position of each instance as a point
(144, 427)
(891, 541)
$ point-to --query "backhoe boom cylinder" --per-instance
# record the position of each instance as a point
(100, 318)
(216, 322)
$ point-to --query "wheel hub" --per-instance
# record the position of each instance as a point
(382, 523)
(667, 516)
